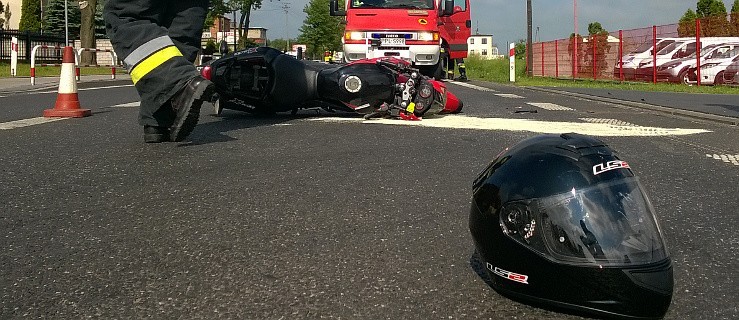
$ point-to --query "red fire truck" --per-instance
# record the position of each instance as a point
(424, 32)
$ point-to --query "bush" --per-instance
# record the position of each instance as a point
(210, 47)
(495, 70)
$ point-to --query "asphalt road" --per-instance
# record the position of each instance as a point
(320, 215)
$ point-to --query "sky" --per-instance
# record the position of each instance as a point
(506, 19)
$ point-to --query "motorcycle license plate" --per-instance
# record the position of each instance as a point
(392, 41)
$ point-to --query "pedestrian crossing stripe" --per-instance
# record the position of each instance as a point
(509, 95)
(549, 106)
(614, 122)
(728, 158)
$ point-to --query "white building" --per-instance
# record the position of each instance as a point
(482, 45)
(15, 12)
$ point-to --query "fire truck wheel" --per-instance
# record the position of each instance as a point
(436, 71)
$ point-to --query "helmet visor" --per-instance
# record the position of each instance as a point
(609, 224)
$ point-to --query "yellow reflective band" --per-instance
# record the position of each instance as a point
(153, 61)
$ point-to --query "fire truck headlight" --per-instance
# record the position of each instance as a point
(428, 36)
(354, 35)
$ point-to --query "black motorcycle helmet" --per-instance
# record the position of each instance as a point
(561, 221)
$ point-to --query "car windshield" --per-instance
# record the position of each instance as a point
(410, 4)
(670, 48)
(729, 53)
(705, 51)
(647, 46)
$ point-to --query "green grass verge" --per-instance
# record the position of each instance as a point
(24, 70)
(497, 71)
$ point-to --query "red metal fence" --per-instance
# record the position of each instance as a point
(641, 54)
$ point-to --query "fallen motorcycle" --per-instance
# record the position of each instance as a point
(264, 80)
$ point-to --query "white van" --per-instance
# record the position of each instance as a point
(632, 59)
(676, 50)
(712, 70)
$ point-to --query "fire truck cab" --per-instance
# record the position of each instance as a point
(424, 32)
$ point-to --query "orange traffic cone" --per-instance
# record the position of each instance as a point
(67, 102)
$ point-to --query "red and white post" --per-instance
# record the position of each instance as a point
(13, 56)
(512, 61)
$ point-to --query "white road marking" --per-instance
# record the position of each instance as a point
(80, 89)
(499, 124)
(472, 86)
(509, 95)
(27, 122)
(127, 105)
(728, 158)
(609, 121)
(549, 106)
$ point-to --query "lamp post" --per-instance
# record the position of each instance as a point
(66, 24)
(575, 40)
(529, 43)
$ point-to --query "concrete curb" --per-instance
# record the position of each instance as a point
(631, 104)
(669, 110)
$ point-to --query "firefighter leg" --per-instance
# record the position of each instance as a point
(462, 70)
(183, 19)
(450, 67)
(158, 67)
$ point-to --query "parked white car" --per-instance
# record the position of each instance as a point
(712, 70)
(676, 50)
(632, 59)
(677, 70)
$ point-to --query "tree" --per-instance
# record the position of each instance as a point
(88, 9)
(686, 26)
(7, 16)
(100, 32)
(217, 8)
(576, 57)
(708, 8)
(320, 31)
(712, 14)
(280, 44)
(30, 16)
(54, 18)
(734, 18)
(520, 49)
(596, 50)
(245, 7)
(2, 9)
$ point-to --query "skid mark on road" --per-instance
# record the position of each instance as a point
(502, 124)
(27, 122)
(549, 106)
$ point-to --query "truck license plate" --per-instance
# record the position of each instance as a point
(392, 41)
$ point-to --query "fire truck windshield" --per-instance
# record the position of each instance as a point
(393, 4)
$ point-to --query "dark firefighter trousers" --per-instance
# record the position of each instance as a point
(158, 41)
